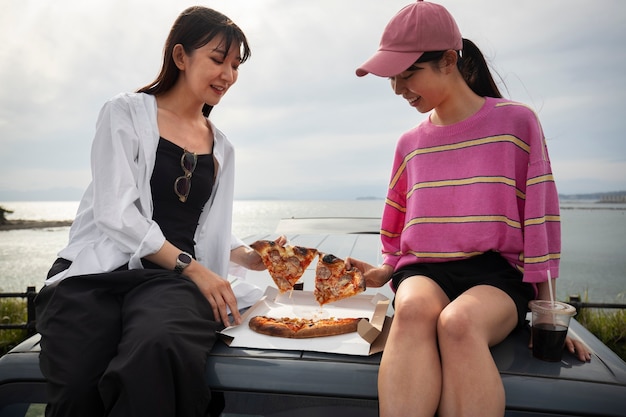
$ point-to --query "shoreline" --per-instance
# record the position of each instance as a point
(34, 224)
(21, 224)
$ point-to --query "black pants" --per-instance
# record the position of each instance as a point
(126, 343)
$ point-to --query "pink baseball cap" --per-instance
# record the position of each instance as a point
(417, 28)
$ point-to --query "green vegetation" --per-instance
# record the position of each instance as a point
(4, 211)
(608, 325)
(12, 310)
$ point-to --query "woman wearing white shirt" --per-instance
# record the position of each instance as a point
(130, 309)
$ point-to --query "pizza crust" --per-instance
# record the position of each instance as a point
(296, 328)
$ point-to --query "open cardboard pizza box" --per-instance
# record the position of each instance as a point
(370, 337)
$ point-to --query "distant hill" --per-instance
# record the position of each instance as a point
(369, 198)
(608, 197)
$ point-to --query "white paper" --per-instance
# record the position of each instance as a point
(246, 293)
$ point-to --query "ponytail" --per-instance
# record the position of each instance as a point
(475, 71)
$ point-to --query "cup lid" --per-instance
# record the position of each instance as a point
(549, 307)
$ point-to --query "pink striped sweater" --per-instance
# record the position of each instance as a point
(481, 184)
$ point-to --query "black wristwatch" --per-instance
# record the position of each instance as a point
(182, 262)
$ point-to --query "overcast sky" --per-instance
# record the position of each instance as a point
(303, 124)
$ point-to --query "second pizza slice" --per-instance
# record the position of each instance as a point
(334, 282)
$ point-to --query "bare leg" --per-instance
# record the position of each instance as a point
(409, 379)
(481, 317)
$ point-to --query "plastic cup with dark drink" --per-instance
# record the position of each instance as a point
(550, 321)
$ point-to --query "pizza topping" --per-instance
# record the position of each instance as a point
(322, 272)
(299, 328)
(330, 258)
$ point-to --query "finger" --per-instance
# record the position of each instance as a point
(220, 312)
(348, 263)
(582, 351)
(235, 312)
(355, 263)
(579, 349)
(256, 263)
(223, 313)
(225, 318)
(231, 301)
(216, 311)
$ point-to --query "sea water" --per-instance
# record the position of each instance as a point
(593, 258)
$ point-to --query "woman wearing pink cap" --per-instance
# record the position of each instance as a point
(471, 228)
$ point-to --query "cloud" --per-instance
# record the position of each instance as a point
(298, 112)
(605, 175)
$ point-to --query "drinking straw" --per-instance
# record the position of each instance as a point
(550, 288)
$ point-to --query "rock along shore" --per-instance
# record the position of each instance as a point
(34, 224)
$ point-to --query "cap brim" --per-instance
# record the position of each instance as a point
(388, 63)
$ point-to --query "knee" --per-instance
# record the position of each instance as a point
(151, 336)
(172, 337)
(454, 324)
(415, 308)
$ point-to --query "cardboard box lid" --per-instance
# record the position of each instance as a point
(368, 339)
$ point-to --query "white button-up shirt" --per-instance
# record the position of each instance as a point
(114, 225)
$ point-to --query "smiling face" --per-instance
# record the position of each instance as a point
(431, 82)
(421, 85)
(206, 73)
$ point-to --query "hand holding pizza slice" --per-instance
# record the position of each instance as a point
(285, 264)
(334, 282)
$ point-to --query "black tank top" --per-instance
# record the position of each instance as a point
(179, 220)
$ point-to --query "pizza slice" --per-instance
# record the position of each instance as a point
(334, 282)
(299, 328)
(285, 264)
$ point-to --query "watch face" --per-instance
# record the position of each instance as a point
(184, 258)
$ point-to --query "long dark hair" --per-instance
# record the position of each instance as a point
(473, 68)
(195, 27)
